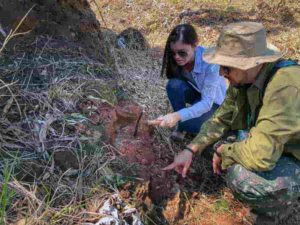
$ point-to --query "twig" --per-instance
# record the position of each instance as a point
(13, 33)
(7, 85)
(137, 124)
(12, 95)
(100, 13)
(2, 31)
(192, 209)
(20, 189)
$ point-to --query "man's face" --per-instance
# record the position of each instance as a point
(182, 53)
(235, 76)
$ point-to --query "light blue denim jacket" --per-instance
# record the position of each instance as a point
(210, 84)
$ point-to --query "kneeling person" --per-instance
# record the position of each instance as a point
(263, 169)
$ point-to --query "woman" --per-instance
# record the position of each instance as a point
(191, 81)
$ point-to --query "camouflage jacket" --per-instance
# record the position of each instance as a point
(273, 120)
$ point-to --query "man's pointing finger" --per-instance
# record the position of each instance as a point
(169, 167)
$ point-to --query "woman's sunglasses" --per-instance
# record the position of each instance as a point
(181, 53)
(225, 70)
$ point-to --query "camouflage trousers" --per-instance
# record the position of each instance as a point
(267, 192)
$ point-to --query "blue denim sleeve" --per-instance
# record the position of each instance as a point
(209, 89)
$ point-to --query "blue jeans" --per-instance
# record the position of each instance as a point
(180, 93)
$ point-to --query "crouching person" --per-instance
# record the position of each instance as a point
(195, 89)
(263, 104)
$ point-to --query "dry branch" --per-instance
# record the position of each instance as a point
(13, 33)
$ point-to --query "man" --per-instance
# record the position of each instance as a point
(263, 99)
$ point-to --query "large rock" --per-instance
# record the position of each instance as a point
(72, 19)
(66, 159)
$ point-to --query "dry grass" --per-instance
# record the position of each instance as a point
(39, 97)
(155, 19)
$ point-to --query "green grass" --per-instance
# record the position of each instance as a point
(6, 194)
(222, 205)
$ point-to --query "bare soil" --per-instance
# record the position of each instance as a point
(69, 19)
(126, 129)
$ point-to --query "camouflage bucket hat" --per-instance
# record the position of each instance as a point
(242, 45)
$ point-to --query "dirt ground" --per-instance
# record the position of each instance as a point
(73, 20)
(193, 200)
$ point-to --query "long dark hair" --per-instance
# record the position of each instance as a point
(187, 35)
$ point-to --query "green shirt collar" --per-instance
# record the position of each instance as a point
(263, 75)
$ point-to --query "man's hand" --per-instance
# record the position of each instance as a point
(167, 121)
(181, 163)
(217, 161)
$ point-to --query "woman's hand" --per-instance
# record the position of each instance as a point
(167, 121)
(182, 163)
